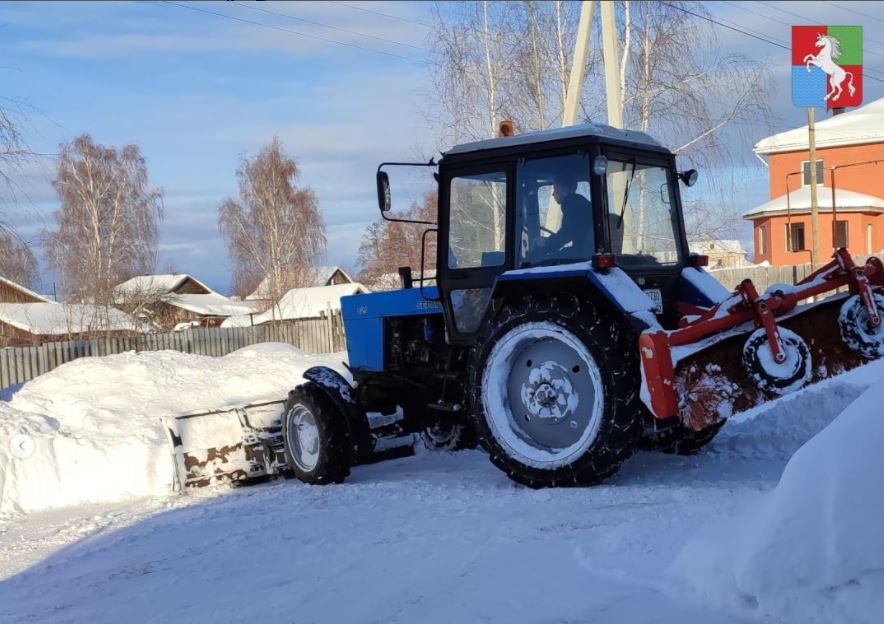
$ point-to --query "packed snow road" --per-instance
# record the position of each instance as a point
(448, 538)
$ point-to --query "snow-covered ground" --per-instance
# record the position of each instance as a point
(447, 538)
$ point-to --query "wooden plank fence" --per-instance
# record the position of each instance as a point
(763, 277)
(319, 335)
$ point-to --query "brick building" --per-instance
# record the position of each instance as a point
(850, 148)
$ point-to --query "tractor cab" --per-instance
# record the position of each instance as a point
(550, 201)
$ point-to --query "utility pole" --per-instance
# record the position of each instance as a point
(611, 57)
(578, 65)
(814, 207)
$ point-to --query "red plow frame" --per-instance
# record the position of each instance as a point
(673, 383)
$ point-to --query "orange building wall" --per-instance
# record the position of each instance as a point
(868, 179)
(778, 255)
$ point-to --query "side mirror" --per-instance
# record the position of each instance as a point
(383, 191)
(689, 177)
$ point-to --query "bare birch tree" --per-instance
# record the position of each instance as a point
(17, 260)
(498, 60)
(276, 231)
(501, 60)
(106, 229)
(13, 150)
(697, 100)
(387, 245)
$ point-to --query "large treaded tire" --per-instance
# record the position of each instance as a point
(616, 358)
(450, 438)
(679, 440)
(332, 464)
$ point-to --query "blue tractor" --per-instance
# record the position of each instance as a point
(567, 324)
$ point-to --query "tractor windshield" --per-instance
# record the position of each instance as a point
(641, 218)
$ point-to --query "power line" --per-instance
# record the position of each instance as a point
(738, 6)
(841, 6)
(748, 33)
(373, 12)
(346, 30)
(809, 20)
(295, 32)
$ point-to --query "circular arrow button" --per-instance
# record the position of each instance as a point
(21, 445)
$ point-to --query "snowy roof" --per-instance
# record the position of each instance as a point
(155, 284)
(799, 201)
(301, 303)
(710, 247)
(568, 132)
(212, 304)
(53, 319)
(317, 276)
(26, 291)
(862, 125)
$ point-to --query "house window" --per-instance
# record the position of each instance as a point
(805, 175)
(763, 243)
(841, 237)
(794, 237)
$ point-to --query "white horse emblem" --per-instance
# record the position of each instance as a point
(830, 49)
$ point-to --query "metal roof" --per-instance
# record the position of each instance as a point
(862, 125)
(799, 201)
(569, 132)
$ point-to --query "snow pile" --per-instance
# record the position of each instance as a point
(814, 546)
(96, 422)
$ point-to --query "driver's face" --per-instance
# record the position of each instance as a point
(560, 192)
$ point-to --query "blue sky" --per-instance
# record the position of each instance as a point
(196, 91)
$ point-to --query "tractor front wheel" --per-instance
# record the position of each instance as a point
(553, 382)
(315, 436)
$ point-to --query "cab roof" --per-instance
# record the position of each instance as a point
(588, 130)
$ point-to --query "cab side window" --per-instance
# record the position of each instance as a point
(554, 211)
(477, 221)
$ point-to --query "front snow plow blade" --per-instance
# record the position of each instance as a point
(218, 446)
(752, 348)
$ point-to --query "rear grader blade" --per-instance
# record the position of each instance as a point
(218, 446)
(245, 443)
(752, 348)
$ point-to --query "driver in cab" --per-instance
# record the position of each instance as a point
(576, 229)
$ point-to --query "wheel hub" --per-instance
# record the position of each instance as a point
(548, 393)
(303, 438)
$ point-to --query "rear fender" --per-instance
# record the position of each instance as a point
(610, 289)
(339, 391)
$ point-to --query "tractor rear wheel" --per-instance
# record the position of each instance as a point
(553, 383)
(315, 436)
